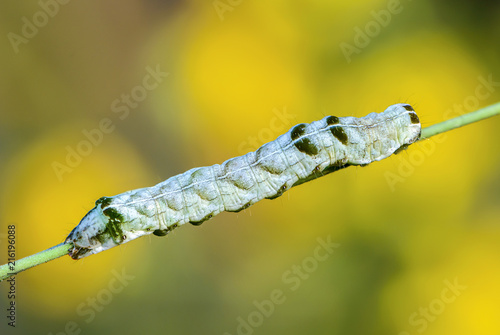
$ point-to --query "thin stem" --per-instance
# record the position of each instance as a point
(62, 249)
(461, 121)
(45, 256)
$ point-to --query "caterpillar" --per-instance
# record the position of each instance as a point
(305, 152)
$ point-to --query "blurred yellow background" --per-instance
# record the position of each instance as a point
(100, 97)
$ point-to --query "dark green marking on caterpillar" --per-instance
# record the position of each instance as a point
(304, 145)
(298, 131)
(205, 218)
(332, 120)
(307, 147)
(339, 134)
(163, 232)
(104, 202)
(338, 165)
(113, 226)
(414, 118)
(245, 206)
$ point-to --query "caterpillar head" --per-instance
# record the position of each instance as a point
(100, 229)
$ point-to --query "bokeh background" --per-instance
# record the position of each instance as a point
(240, 73)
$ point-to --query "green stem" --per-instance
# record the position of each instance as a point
(62, 249)
(461, 121)
(10, 269)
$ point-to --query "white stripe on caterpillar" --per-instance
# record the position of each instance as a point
(305, 152)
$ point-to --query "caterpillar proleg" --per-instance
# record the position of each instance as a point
(305, 152)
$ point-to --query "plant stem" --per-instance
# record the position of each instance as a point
(7, 271)
(461, 121)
